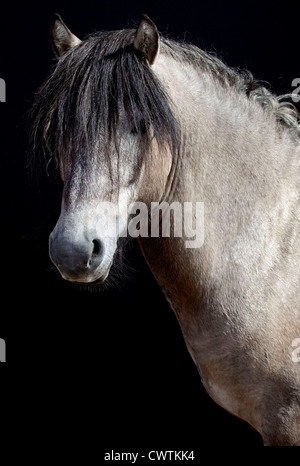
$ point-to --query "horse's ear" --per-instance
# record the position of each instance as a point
(61, 37)
(146, 39)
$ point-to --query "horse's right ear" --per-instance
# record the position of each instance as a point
(146, 39)
(62, 39)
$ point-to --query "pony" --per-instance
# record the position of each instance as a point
(130, 116)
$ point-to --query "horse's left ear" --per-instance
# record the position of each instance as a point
(62, 39)
(146, 39)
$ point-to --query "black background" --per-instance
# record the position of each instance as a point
(115, 359)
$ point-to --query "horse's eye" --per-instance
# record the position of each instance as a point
(139, 128)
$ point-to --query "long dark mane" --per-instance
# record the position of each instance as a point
(89, 88)
(104, 77)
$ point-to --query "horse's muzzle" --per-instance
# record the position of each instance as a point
(78, 260)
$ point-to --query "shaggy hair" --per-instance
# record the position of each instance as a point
(243, 81)
(91, 86)
(105, 77)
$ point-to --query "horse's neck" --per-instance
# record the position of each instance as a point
(227, 137)
(246, 173)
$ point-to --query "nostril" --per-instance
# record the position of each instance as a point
(96, 248)
(96, 252)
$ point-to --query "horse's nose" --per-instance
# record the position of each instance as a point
(77, 260)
